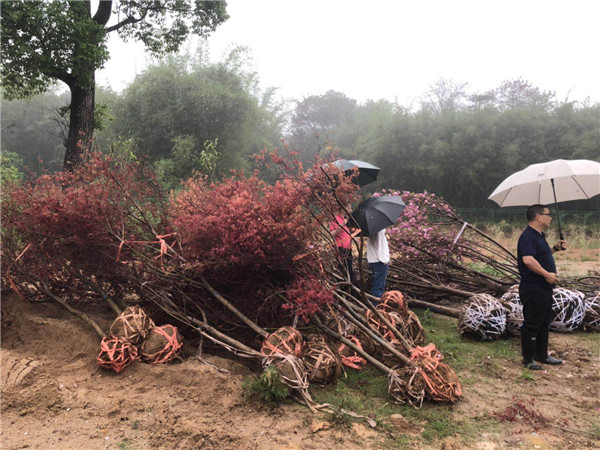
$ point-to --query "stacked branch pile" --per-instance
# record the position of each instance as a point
(233, 261)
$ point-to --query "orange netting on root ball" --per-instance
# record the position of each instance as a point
(116, 354)
(286, 340)
(322, 363)
(428, 378)
(133, 324)
(162, 346)
(393, 301)
(349, 357)
(406, 323)
(413, 328)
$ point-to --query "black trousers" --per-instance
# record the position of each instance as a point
(537, 307)
(537, 315)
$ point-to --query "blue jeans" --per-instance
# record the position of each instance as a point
(379, 272)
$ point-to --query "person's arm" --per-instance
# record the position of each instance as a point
(535, 267)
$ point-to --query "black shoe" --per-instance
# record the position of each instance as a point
(532, 365)
(550, 360)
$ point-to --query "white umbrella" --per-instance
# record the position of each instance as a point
(555, 181)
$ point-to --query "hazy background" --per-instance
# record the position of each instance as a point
(394, 49)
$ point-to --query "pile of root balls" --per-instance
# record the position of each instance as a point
(388, 335)
(487, 318)
(133, 336)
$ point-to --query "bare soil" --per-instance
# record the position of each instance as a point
(54, 395)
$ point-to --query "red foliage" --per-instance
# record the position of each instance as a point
(307, 296)
(75, 221)
(522, 411)
(103, 225)
(242, 223)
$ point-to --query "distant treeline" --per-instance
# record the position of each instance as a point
(187, 114)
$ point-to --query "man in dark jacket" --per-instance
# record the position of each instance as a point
(538, 278)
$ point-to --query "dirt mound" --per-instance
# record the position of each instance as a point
(55, 395)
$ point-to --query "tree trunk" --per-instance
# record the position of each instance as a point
(81, 123)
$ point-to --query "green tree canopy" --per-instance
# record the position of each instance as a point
(46, 41)
(184, 113)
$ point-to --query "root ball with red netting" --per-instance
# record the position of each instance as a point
(322, 363)
(591, 320)
(133, 325)
(162, 346)
(116, 354)
(393, 301)
(349, 357)
(483, 317)
(285, 340)
(428, 378)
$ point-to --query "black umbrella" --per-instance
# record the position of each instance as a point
(367, 173)
(377, 213)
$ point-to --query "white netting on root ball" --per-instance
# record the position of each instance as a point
(511, 294)
(514, 310)
(483, 316)
(569, 309)
(591, 319)
(514, 316)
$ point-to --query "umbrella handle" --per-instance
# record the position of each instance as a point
(560, 233)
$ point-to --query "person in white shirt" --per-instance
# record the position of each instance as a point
(378, 257)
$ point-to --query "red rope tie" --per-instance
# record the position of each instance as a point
(284, 342)
(115, 349)
(355, 361)
(173, 345)
(9, 278)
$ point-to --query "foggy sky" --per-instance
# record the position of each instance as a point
(395, 49)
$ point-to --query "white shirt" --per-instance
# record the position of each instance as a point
(377, 249)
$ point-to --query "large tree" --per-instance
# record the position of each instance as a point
(64, 40)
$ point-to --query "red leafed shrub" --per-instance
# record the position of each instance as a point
(76, 221)
(242, 223)
(307, 296)
(102, 229)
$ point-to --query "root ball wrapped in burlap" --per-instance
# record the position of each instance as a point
(322, 363)
(569, 309)
(285, 340)
(427, 378)
(484, 317)
(340, 324)
(380, 326)
(116, 353)
(367, 343)
(414, 329)
(591, 319)
(162, 346)
(133, 325)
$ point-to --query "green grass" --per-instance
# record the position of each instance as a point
(476, 363)
(366, 392)
(526, 375)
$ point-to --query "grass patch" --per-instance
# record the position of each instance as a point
(266, 387)
(526, 375)
(463, 353)
(366, 392)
